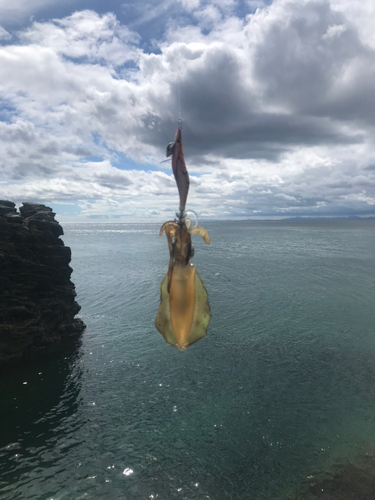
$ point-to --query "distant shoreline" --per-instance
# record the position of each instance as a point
(288, 219)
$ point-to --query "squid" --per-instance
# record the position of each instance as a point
(184, 312)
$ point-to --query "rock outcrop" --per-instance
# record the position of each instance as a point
(37, 298)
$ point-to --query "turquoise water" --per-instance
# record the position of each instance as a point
(283, 384)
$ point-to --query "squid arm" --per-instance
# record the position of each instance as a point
(202, 232)
(169, 228)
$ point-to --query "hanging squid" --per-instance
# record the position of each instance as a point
(184, 312)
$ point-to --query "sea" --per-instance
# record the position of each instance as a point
(279, 391)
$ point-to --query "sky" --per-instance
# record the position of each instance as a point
(277, 101)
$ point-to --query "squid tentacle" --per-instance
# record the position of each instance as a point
(165, 227)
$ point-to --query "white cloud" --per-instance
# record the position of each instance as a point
(4, 35)
(86, 35)
(14, 11)
(149, 11)
(334, 31)
(361, 15)
(190, 5)
(278, 113)
(209, 16)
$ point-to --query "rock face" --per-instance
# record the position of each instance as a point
(37, 298)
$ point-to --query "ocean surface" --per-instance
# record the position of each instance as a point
(281, 388)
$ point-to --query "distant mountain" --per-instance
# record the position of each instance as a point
(349, 217)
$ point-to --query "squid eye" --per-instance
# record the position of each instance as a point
(170, 149)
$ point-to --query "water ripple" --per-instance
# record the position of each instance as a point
(281, 386)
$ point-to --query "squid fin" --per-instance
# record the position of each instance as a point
(200, 320)
(202, 313)
(163, 317)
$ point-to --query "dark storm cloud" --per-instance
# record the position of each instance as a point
(305, 59)
(267, 136)
(223, 116)
(354, 101)
(301, 65)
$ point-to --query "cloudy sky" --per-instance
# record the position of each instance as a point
(277, 100)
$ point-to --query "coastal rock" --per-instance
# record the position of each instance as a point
(7, 207)
(37, 297)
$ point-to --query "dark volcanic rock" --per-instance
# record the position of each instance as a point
(7, 203)
(37, 298)
(7, 207)
(29, 209)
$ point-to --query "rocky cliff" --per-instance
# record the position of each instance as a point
(37, 298)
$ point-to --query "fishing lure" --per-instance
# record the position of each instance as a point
(184, 312)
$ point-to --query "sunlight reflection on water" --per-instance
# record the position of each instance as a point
(281, 386)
